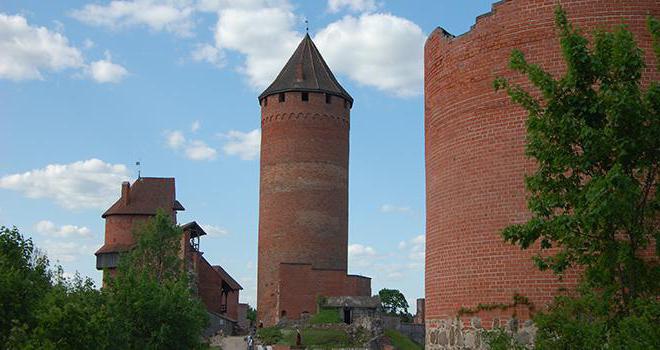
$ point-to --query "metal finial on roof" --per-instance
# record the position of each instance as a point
(137, 165)
(306, 26)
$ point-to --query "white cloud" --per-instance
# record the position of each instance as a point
(361, 256)
(90, 183)
(379, 50)
(175, 139)
(66, 251)
(105, 71)
(195, 126)
(198, 150)
(174, 16)
(249, 292)
(265, 51)
(28, 50)
(208, 53)
(414, 249)
(245, 145)
(390, 208)
(48, 228)
(215, 231)
(192, 149)
(88, 43)
(352, 5)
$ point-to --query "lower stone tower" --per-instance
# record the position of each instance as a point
(303, 194)
(475, 161)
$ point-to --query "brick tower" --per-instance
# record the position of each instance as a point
(138, 203)
(475, 162)
(303, 195)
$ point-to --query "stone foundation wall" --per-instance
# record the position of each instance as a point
(455, 334)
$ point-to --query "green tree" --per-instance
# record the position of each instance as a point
(24, 280)
(150, 298)
(594, 197)
(72, 315)
(252, 314)
(40, 308)
(393, 302)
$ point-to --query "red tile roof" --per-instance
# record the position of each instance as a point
(145, 196)
(227, 278)
(113, 248)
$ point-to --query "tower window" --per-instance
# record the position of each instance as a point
(345, 104)
(305, 96)
(281, 97)
(328, 98)
(265, 101)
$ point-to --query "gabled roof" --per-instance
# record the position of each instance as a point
(145, 196)
(306, 70)
(195, 229)
(227, 278)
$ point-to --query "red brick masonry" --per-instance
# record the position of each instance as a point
(475, 162)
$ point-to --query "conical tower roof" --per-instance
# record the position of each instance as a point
(306, 70)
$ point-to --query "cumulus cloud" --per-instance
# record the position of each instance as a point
(215, 231)
(375, 49)
(48, 228)
(351, 5)
(361, 255)
(66, 251)
(414, 249)
(89, 183)
(390, 208)
(265, 51)
(105, 71)
(378, 50)
(198, 150)
(175, 139)
(195, 126)
(174, 16)
(245, 145)
(209, 54)
(192, 149)
(27, 50)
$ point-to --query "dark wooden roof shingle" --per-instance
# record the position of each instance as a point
(306, 71)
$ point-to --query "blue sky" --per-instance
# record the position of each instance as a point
(89, 88)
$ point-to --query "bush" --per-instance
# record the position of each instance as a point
(270, 335)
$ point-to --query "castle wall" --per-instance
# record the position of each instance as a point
(300, 285)
(209, 286)
(303, 204)
(475, 162)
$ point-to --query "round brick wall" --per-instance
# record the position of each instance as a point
(475, 162)
(303, 194)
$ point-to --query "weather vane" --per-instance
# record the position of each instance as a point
(138, 166)
(306, 26)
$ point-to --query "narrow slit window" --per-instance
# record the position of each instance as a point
(328, 98)
(265, 101)
(305, 96)
(281, 97)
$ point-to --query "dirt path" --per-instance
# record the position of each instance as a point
(234, 343)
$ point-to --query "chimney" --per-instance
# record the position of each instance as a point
(125, 190)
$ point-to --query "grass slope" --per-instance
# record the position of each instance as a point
(401, 342)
